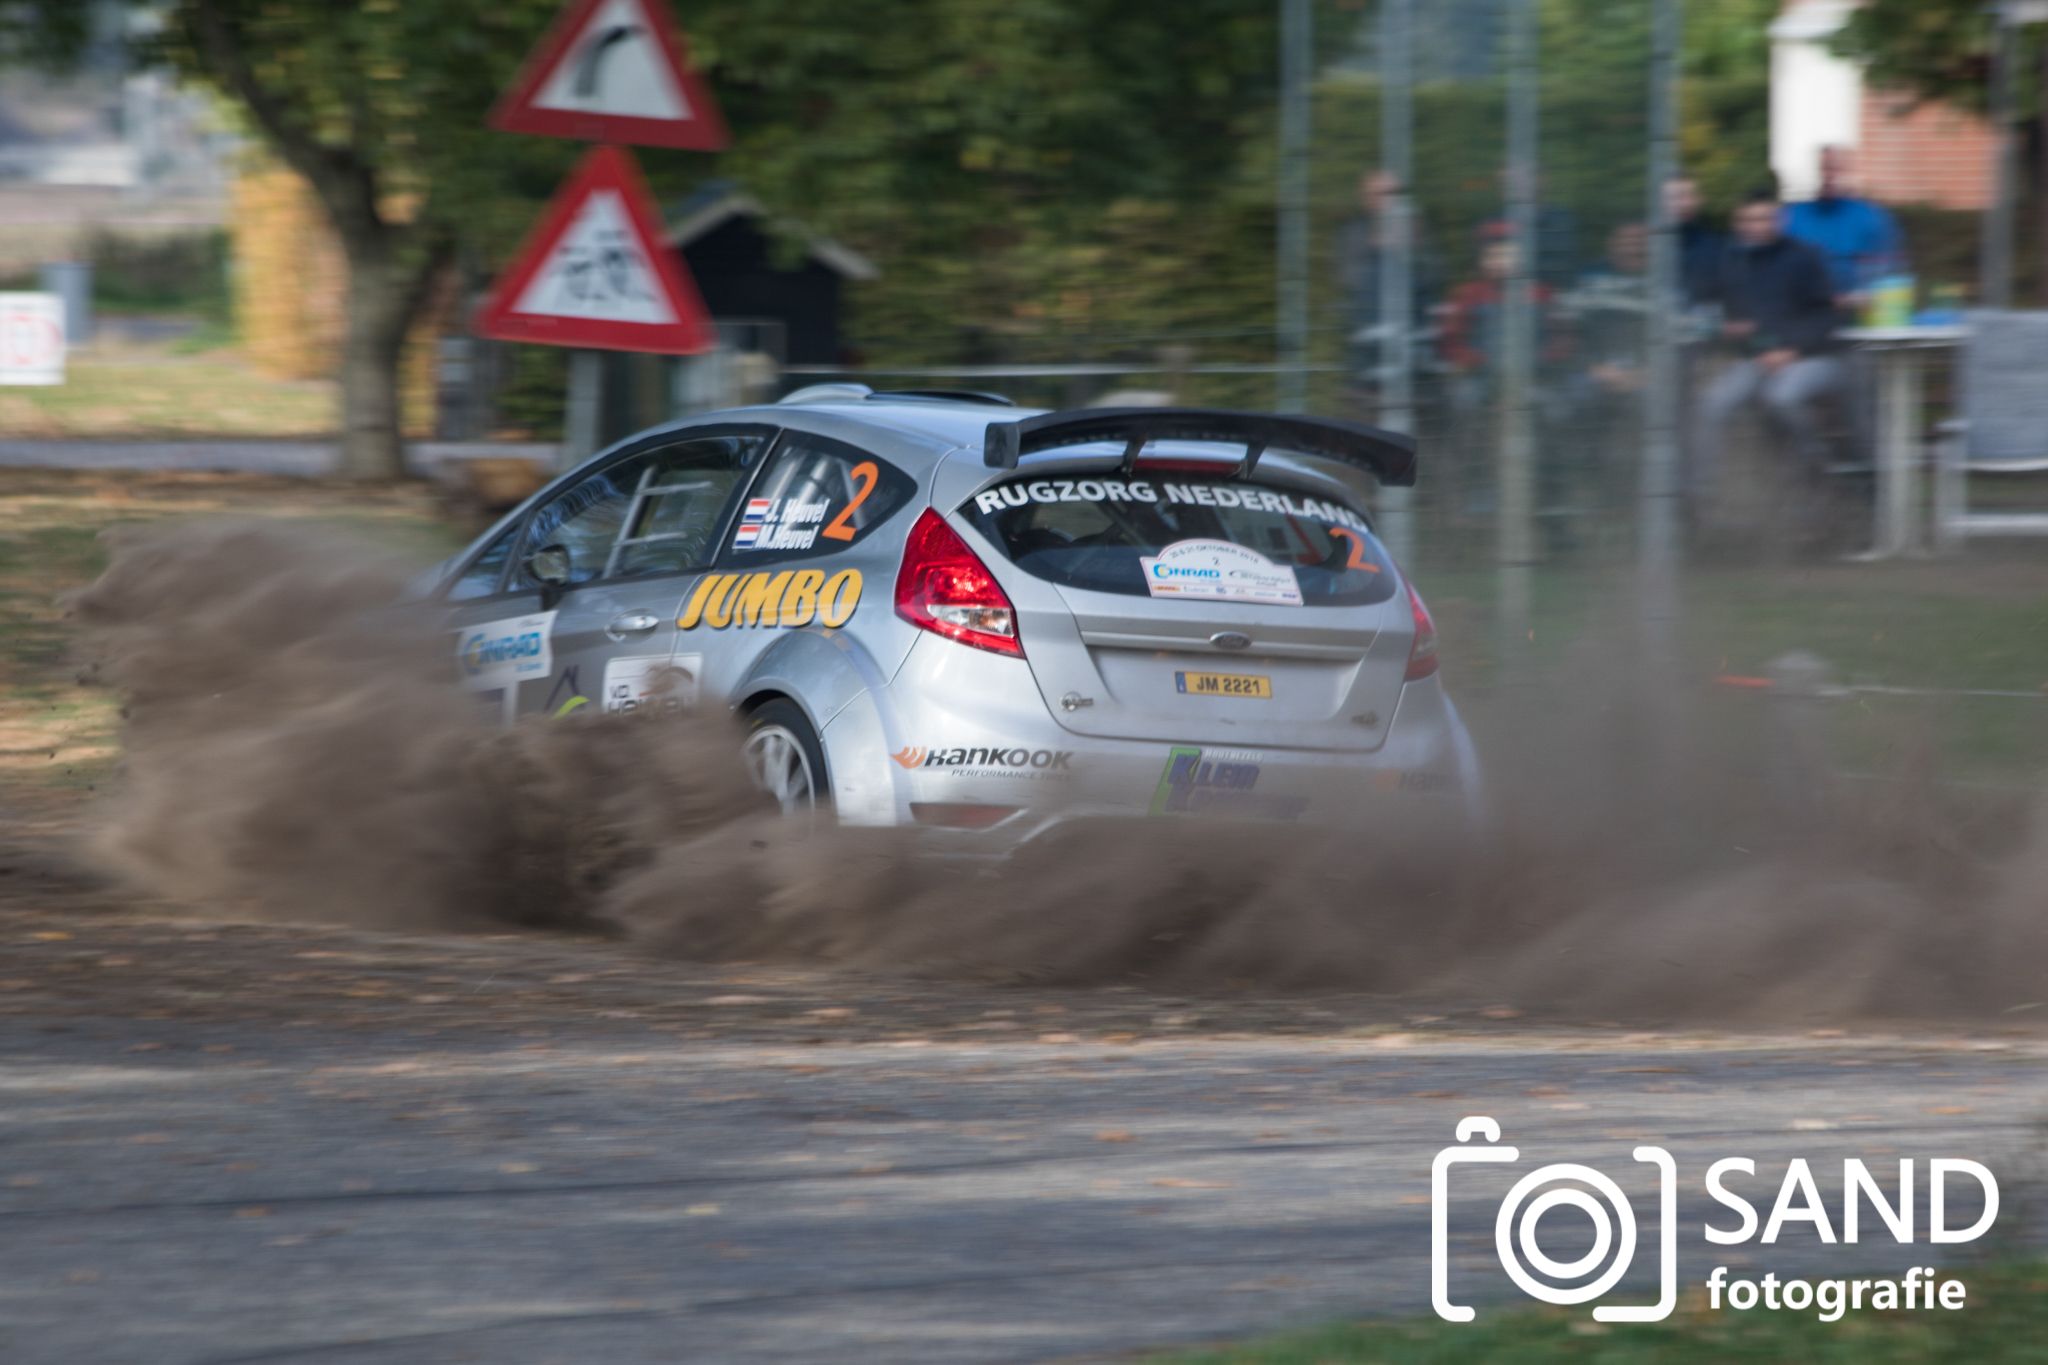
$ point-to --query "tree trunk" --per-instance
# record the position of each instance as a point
(372, 446)
(385, 298)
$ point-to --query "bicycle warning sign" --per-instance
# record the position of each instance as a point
(596, 272)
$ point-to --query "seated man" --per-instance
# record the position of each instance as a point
(1779, 310)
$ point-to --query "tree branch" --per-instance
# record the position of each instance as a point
(344, 183)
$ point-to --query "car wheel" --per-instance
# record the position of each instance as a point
(786, 760)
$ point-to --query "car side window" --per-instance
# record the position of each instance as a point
(656, 512)
(482, 576)
(673, 526)
(586, 519)
(816, 496)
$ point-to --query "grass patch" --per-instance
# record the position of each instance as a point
(1975, 623)
(58, 739)
(174, 391)
(2004, 1320)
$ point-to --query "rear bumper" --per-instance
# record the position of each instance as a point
(962, 733)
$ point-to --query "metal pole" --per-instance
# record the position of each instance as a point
(1297, 55)
(583, 422)
(1657, 545)
(1515, 543)
(1397, 256)
(1994, 289)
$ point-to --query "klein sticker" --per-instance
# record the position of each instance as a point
(779, 524)
(784, 599)
(1219, 782)
(654, 685)
(1216, 570)
(507, 652)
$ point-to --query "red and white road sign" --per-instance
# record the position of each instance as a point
(595, 272)
(613, 71)
(31, 339)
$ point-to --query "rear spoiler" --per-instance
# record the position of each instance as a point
(1387, 455)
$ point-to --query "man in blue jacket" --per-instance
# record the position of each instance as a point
(1779, 308)
(1859, 238)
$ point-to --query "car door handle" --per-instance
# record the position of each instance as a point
(632, 623)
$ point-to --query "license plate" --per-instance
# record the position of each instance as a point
(1224, 684)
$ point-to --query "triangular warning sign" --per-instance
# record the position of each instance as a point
(596, 273)
(613, 71)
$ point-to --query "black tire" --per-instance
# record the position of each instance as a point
(786, 760)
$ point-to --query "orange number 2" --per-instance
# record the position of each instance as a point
(1357, 544)
(867, 476)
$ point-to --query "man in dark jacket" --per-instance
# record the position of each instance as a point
(1701, 246)
(1779, 309)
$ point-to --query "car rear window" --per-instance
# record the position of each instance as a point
(1159, 537)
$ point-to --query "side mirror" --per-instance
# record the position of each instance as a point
(549, 566)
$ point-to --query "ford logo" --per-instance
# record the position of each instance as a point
(1231, 639)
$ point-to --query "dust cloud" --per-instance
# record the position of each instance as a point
(296, 747)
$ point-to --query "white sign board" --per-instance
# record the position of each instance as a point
(31, 339)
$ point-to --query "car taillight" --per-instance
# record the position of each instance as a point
(943, 587)
(1421, 654)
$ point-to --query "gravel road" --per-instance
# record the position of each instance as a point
(226, 1142)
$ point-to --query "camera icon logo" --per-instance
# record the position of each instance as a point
(1514, 1229)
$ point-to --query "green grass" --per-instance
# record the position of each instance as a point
(2004, 1320)
(1975, 623)
(59, 740)
(199, 392)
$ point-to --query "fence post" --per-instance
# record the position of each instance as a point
(1657, 535)
(1397, 258)
(1515, 537)
(1297, 56)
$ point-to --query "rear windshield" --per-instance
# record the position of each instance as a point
(1190, 538)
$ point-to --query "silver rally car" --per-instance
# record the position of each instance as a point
(941, 610)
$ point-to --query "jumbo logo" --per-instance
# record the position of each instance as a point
(785, 599)
(480, 651)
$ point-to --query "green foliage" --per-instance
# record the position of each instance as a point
(175, 272)
(1038, 179)
(1937, 49)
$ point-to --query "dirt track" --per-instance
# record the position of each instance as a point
(235, 1142)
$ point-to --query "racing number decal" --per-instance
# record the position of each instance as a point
(867, 476)
(1357, 559)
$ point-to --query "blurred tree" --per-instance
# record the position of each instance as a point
(1936, 49)
(380, 107)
